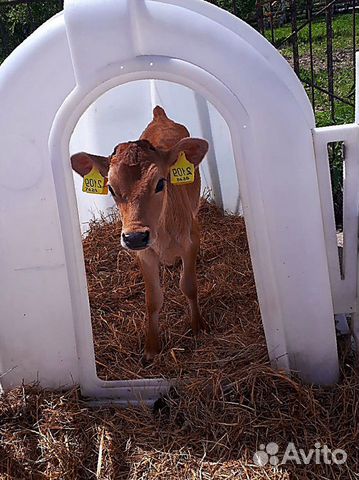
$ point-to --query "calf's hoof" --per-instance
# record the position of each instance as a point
(198, 325)
(150, 353)
(145, 361)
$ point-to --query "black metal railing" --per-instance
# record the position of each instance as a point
(305, 16)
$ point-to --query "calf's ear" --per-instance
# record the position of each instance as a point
(83, 162)
(194, 148)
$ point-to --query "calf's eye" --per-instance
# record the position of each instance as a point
(160, 185)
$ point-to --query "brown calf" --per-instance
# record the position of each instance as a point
(158, 218)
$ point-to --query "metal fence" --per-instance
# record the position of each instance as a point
(299, 45)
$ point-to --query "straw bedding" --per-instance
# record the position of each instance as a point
(228, 400)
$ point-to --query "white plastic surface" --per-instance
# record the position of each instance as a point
(344, 284)
(45, 87)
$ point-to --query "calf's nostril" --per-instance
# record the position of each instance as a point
(146, 237)
(136, 240)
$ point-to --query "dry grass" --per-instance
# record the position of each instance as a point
(229, 400)
(227, 295)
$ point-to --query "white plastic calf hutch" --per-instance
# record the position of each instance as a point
(280, 157)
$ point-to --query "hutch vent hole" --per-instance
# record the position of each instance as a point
(336, 156)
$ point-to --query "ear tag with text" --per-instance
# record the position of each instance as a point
(182, 172)
(94, 182)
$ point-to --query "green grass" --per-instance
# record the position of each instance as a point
(342, 27)
(343, 64)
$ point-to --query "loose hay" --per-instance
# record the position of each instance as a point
(228, 402)
(227, 297)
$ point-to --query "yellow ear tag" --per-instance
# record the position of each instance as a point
(94, 182)
(182, 172)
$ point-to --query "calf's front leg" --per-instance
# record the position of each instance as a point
(149, 263)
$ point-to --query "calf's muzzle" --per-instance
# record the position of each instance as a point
(136, 240)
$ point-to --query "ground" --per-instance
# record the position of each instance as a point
(228, 401)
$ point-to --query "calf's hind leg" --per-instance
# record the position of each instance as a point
(188, 281)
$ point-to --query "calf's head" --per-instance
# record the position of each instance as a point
(138, 176)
